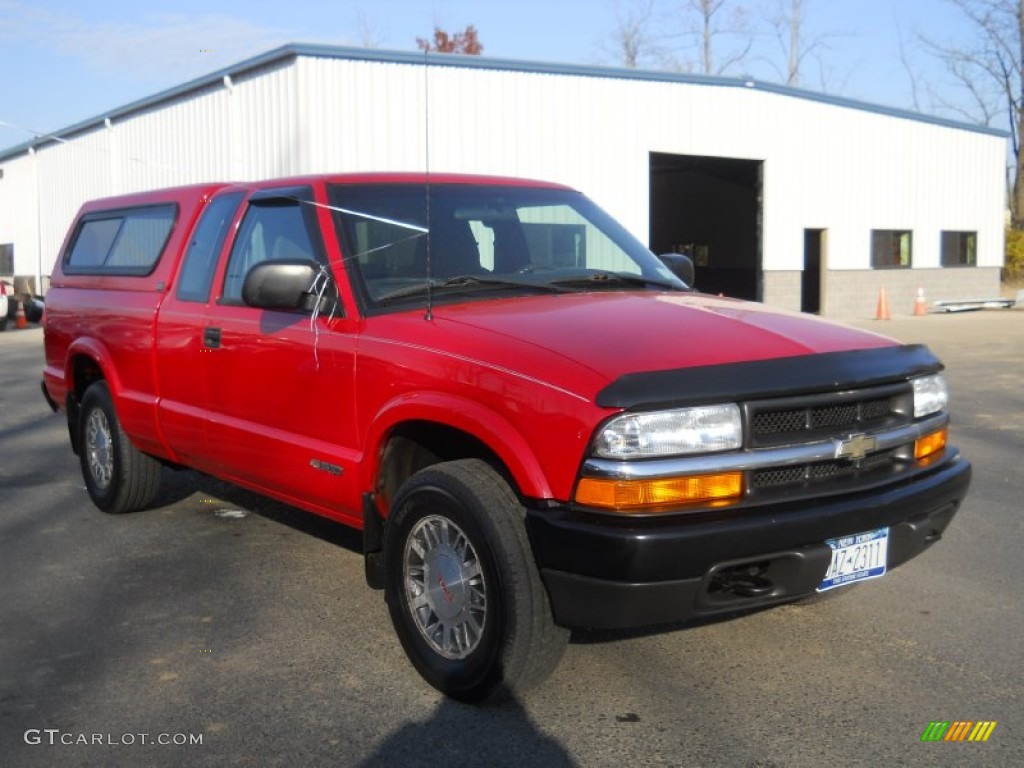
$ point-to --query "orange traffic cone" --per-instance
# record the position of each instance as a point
(920, 305)
(882, 313)
(20, 321)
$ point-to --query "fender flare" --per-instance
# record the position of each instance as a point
(98, 353)
(90, 347)
(469, 416)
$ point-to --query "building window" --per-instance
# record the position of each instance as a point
(6, 258)
(891, 248)
(959, 249)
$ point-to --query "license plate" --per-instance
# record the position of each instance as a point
(856, 558)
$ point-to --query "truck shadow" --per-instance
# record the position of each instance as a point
(188, 487)
(499, 733)
(600, 636)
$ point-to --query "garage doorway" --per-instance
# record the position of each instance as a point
(812, 286)
(710, 209)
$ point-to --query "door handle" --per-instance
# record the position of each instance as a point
(211, 338)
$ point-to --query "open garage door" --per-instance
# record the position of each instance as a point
(710, 209)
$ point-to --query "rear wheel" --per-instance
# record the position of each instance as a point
(118, 476)
(462, 589)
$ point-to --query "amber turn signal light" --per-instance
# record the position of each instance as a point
(639, 496)
(930, 444)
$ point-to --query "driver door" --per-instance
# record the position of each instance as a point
(279, 383)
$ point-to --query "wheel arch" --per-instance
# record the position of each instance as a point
(415, 432)
(87, 362)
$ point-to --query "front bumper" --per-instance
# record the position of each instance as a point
(605, 571)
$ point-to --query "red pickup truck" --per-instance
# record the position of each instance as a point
(536, 423)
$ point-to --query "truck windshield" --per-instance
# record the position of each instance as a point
(401, 243)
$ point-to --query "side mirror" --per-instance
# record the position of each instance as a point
(280, 284)
(680, 265)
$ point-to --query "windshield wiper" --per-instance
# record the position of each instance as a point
(462, 281)
(605, 278)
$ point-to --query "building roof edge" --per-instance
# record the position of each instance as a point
(293, 51)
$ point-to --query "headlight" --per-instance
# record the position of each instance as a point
(670, 433)
(930, 395)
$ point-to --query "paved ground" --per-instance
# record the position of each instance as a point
(243, 622)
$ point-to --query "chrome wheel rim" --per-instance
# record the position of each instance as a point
(99, 449)
(445, 589)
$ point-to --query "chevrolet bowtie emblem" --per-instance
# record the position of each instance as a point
(855, 447)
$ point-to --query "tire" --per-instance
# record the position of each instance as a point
(119, 477)
(464, 594)
(33, 310)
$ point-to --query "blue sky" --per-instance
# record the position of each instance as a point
(63, 62)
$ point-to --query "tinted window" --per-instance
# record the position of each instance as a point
(205, 246)
(94, 242)
(125, 242)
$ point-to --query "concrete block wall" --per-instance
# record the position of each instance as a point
(854, 293)
(782, 289)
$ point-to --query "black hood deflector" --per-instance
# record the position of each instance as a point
(785, 376)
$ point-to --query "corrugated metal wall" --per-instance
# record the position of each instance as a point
(826, 166)
(19, 205)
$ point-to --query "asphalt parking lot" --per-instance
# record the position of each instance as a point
(247, 624)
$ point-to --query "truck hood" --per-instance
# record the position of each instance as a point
(613, 334)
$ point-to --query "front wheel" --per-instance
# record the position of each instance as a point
(462, 589)
(118, 476)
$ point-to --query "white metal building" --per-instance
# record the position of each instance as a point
(794, 198)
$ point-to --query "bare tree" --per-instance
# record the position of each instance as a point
(632, 42)
(709, 13)
(796, 54)
(989, 69)
(790, 25)
(710, 27)
(908, 67)
(368, 32)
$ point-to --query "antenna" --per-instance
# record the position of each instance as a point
(426, 160)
